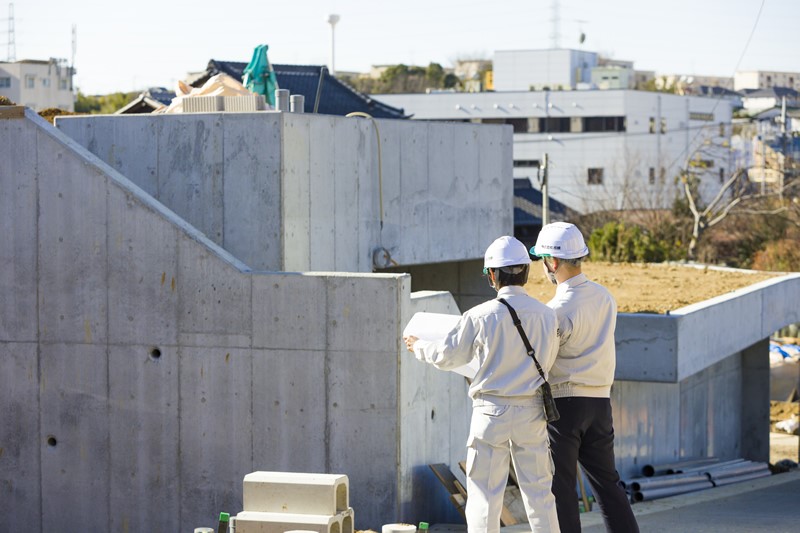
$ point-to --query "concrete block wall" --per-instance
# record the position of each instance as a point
(145, 370)
(303, 192)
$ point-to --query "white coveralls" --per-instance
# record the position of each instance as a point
(508, 415)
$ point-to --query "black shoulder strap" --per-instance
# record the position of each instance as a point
(528, 346)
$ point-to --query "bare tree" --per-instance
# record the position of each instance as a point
(738, 195)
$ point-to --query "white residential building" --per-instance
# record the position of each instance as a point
(614, 149)
(38, 84)
(763, 79)
(525, 70)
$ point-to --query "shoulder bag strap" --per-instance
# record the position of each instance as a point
(528, 346)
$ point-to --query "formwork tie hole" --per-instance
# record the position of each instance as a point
(155, 353)
(51, 441)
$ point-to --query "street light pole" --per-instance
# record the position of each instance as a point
(332, 20)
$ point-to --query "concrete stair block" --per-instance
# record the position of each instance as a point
(255, 522)
(296, 493)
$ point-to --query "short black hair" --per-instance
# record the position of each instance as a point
(505, 278)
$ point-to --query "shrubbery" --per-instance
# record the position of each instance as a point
(621, 242)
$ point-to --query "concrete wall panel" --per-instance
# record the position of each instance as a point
(362, 313)
(143, 437)
(647, 347)
(369, 197)
(75, 481)
(143, 274)
(251, 189)
(289, 311)
(290, 408)
(18, 218)
(495, 165)
(443, 189)
(129, 144)
(710, 410)
(391, 236)
(215, 299)
(190, 170)
(72, 246)
(362, 393)
(646, 424)
(415, 177)
(322, 187)
(20, 442)
(216, 430)
(295, 187)
(350, 147)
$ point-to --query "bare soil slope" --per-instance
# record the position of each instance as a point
(652, 288)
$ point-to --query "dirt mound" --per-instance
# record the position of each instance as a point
(654, 287)
(51, 113)
(4, 100)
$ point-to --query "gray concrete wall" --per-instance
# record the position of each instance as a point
(145, 370)
(303, 192)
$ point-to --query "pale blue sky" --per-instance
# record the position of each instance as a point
(128, 46)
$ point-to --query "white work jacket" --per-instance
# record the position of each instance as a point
(487, 332)
(587, 317)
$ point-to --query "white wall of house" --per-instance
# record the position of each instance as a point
(37, 84)
(763, 79)
(521, 70)
(632, 167)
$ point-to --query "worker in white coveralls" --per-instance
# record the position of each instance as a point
(508, 417)
(581, 381)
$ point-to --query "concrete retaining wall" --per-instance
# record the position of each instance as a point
(144, 370)
(302, 192)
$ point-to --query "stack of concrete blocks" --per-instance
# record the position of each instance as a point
(203, 104)
(244, 103)
(276, 502)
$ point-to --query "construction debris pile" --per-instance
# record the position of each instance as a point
(661, 481)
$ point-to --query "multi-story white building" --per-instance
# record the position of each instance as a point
(763, 79)
(614, 149)
(525, 70)
(38, 84)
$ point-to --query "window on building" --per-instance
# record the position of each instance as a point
(652, 176)
(526, 163)
(595, 176)
(520, 125)
(722, 129)
(662, 175)
(5, 82)
(652, 124)
(663, 125)
(554, 125)
(62, 85)
(45, 82)
(599, 124)
(30, 82)
(721, 175)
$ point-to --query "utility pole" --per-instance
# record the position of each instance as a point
(72, 61)
(545, 200)
(12, 45)
(783, 145)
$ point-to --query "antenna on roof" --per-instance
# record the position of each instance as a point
(12, 45)
(556, 20)
(74, 49)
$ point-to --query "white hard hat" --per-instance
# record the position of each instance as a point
(562, 240)
(506, 251)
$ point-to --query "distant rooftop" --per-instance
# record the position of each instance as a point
(337, 98)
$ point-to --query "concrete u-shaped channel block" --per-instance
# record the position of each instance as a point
(255, 522)
(296, 493)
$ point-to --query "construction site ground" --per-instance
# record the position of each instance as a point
(653, 287)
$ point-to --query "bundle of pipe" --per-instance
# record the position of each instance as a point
(695, 478)
(676, 467)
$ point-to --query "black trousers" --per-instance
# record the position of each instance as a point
(585, 434)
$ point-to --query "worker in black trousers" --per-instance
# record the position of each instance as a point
(581, 381)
